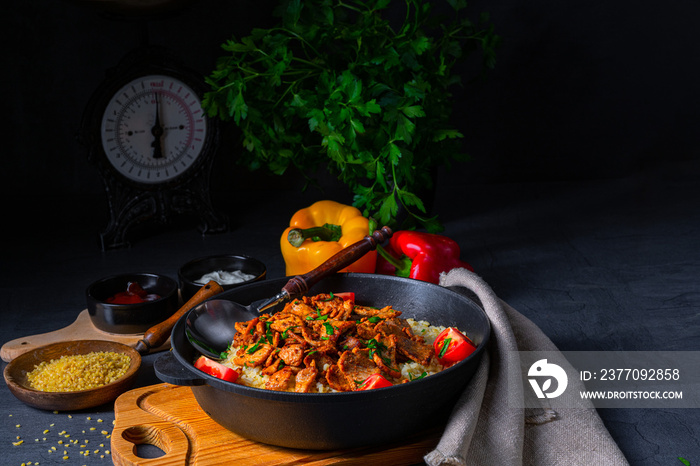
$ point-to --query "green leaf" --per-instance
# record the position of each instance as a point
(379, 175)
(404, 130)
(413, 111)
(410, 200)
(388, 209)
(367, 108)
(237, 106)
(420, 44)
(246, 45)
(357, 125)
(316, 117)
(443, 134)
(394, 153)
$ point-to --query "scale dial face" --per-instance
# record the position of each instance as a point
(153, 129)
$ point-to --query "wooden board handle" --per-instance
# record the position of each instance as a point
(300, 284)
(159, 333)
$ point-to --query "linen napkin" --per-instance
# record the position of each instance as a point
(484, 430)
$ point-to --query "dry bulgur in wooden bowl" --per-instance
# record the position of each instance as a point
(73, 375)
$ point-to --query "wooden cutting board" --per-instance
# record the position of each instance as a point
(81, 329)
(169, 417)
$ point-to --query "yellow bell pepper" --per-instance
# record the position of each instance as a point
(316, 247)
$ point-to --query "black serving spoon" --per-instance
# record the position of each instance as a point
(208, 326)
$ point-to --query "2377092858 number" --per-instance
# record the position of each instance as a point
(639, 374)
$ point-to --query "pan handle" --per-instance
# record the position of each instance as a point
(300, 284)
(170, 370)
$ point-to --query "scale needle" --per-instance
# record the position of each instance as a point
(157, 132)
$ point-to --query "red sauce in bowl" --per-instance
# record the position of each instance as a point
(134, 294)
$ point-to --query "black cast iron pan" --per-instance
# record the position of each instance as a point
(338, 420)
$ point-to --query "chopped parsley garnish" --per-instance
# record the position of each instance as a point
(422, 376)
(318, 316)
(445, 345)
(253, 348)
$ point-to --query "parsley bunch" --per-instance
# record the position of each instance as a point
(336, 84)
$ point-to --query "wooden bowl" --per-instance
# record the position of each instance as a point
(16, 376)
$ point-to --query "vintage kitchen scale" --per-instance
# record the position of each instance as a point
(152, 143)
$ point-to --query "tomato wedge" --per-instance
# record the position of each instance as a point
(374, 381)
(216, 369)
(452, 346)
(346, 295)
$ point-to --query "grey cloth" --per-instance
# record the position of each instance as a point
(484, 430)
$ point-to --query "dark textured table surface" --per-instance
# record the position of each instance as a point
(599, 265)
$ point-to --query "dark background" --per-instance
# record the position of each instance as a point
(579, 207)
(581, 90)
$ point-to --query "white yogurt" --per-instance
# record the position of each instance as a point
(224, 277)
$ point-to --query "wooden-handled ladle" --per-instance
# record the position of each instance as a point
(158, 334)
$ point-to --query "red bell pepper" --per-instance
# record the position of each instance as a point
(422, 256)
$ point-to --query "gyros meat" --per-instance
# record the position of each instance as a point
(328, 343)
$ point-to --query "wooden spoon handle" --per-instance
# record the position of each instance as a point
(301, 283)
(159, 333)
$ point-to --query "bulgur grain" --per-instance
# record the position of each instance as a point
(79, 372)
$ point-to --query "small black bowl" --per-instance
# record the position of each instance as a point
(131, 318)
(195, 269)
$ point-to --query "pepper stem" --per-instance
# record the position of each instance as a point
(402, 264)
(327, 232)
